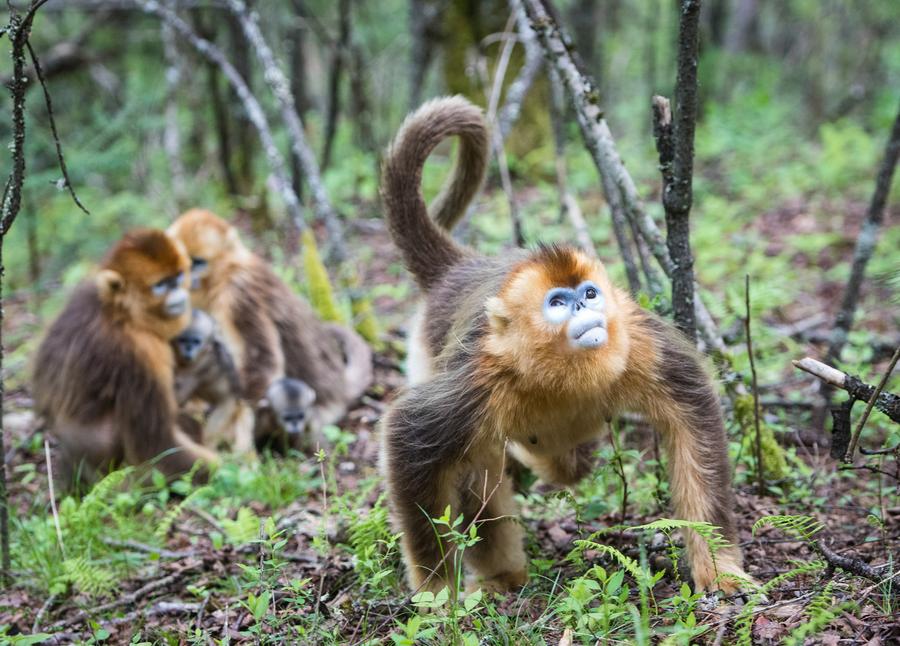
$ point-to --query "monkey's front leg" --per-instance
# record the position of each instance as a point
(683, 405)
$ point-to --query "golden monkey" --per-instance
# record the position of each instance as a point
(270, 331)
(205, 371)
(103, 373)
(526, 357)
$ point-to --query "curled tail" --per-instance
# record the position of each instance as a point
(427, 249)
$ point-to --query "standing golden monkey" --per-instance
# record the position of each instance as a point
(103, 375)
(270, 331)
(527, 356)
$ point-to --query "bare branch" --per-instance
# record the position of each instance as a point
(59, 153)
(518, 89)
(865, 416)
(887, 403)
(865, 244)
(846, 563)
(496, 136)
(760, 479)
(280, 87)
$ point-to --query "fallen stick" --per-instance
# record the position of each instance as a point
(887, 403)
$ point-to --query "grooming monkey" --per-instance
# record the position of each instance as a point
(282, 416)
(204, 370)
(103, 374)
(270, 331)
(526, 357)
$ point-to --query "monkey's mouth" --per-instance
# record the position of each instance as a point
(590, 332)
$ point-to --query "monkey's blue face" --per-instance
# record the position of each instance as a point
(581, 310)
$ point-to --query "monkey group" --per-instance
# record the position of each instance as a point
(186, 343)
(520, 360)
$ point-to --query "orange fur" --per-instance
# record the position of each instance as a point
(490, 371)
(103, 375)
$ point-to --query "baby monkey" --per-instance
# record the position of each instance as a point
(205, 370)
(282, 417)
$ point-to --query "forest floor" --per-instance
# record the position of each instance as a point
(325, 568)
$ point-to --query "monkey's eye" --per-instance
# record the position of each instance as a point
(198, 264)
(557, 301)
(590, 293)
(160, 288)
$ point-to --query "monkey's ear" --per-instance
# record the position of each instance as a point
(110, 284)
(497, 313)
(232, 239)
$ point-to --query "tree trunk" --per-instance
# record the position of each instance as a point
(299, 91)
(424, 18)
(742, 28)
(679, 153)
(171, 134)
(5, 562)
(338, 62)
(243, 133)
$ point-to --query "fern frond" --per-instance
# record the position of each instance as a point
(744, 621)
(172, 515)
(628, 564)
(802, 527)
(820, 612)
(87, 577)
(709, 532)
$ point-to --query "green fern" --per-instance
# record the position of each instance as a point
(744, 621)
(89, 578)
(172, 514)
(820, 612)
(628, 564)
(801, 527)
(709, 532)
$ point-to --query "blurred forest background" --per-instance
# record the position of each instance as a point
(796, 104)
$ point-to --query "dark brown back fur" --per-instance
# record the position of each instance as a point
(311, 354)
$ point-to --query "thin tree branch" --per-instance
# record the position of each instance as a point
(280, 87)
(496, 136)
(865, 416)
(865, 245)
(518, 89)
(59, 153)
(760, 478)
(338, 63)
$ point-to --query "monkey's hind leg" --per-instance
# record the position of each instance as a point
(498, 559)
(422, 471)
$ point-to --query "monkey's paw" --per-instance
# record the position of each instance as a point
(500, 582)
(725, 576)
